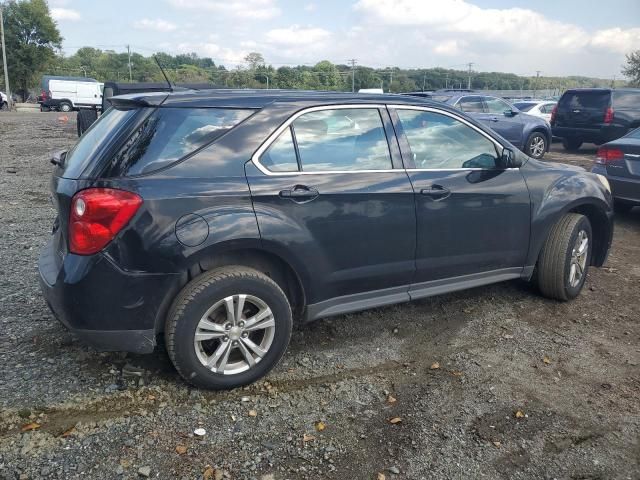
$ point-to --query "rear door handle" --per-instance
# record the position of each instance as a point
(437, 192)
(300, 193)
(494, 119)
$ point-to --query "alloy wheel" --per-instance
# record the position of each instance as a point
(234, 334)
(537, 146)
(579, 256)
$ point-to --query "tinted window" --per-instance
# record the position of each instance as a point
(169, 134)
(94, 140)
(342, 139)
(627, 99)
(585, 100)
(281, 155)
(471, 104)
(548, 108)
(524, 107)
(634, 134)
(496, 106)
(441, 142)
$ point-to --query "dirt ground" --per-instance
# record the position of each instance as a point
(494, 382)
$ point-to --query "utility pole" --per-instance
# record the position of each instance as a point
(470, 64)
(4, 61)
(353, 74)
(129, 53)
(535, 88)
(424, 80)
(446, 81)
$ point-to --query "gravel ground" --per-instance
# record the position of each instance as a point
(494, 382)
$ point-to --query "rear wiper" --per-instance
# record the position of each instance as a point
(58, 158)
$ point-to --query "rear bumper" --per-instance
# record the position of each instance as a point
(601, 134)
(105, 306)
(622, 188)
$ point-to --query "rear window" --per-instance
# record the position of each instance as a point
(440, 98)
(524, 106)
(634, 134)
(626, 99)
(169, 134)
(585, 100)
(95, 139)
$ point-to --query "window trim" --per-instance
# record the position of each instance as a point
(499, 146)
(255, 158)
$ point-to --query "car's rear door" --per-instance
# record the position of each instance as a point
(473, 216)
(331, 197)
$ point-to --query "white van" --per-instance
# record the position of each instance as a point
(70, 93)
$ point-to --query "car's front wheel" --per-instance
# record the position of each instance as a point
(536, 145)
(65, 107)
(228, 328)
(564, 261)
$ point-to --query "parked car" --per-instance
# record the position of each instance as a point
(619, 161)
(537, 108)
(595, 115)
(216, 218)
(69, 93)
(530, 134)
(4, 103)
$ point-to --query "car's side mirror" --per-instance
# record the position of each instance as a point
(509, 159)
(510, 113)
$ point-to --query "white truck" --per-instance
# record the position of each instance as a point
(69, 93)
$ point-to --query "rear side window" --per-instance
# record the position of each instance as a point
(624, 100)
(585, 100)
(471, 104)
(168, 135)
(525, 107)
(281, 155)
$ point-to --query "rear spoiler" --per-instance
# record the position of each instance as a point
(127, 102)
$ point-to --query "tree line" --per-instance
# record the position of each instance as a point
(34, 44)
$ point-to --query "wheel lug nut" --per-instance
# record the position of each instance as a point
(227, 326)
(241, 324)
(235, 343)
(245, 335)
(225, 338)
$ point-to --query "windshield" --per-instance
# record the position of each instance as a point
(94, 141)
(524, 106)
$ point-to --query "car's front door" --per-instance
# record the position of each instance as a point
(504, 119)
(473, 215)
(330, 193)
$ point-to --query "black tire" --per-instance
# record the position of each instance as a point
(4, 107)
(44, 109)
(85, 119)
(65, 107)
(554, 263)
(193, 302)
(571, 144)
(621, 206)
(536, 145)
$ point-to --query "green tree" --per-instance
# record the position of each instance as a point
(254, 60)
(632, 68)
(32, 39)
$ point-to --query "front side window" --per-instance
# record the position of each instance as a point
(441, 142)
(169, 134)
(471, 104)
(346, 139)
(496, 106)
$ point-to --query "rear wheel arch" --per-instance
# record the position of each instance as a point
(269, 263)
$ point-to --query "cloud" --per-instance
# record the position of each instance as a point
(65, 14)
(617, 39)
(221, 55)
(245, 9)
(157, 25)
(297, 36)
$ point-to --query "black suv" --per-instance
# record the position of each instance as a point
(217, 218)
(595, 115)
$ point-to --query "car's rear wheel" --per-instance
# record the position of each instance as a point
(228, 327)
(536, 145)
(564, 261)
(571, 144)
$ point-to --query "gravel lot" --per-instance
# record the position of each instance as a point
(495, 382)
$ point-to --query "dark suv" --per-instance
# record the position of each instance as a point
(216, 218)
(595, 115)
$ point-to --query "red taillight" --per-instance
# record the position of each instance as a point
(554, 112)
(97, 215)
(608, 115)
(607, 154)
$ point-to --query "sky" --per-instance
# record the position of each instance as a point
(555, 37)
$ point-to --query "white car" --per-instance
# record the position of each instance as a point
(537, 108)
(4, 104)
